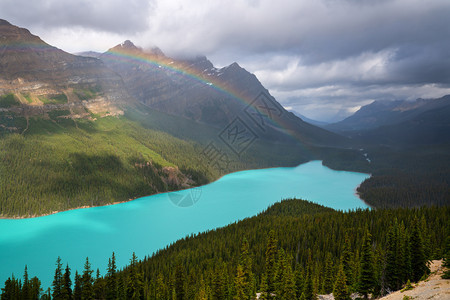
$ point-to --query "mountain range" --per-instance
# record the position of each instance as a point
(39, 74)
(194, 89)
(135, 122)
(44, 78)
(423, 121)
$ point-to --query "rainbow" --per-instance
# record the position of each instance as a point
(137, 57)
(177, 67)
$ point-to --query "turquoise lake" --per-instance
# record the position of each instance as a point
(151, 223)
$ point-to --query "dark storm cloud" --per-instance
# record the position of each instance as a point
(122, 16)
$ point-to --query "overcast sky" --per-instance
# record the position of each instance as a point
(322, 58)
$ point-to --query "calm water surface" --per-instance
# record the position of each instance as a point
(150, 223)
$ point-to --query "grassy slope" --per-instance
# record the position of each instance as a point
(58, 165)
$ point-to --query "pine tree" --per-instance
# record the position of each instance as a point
(246, 263)
(179, 282)
(35, 288)
(271, 259)
(366, 282)
(378, 289)
(12, 289)
(66, 289)
(192, 286)
(356, 272)
(340, 291)
(298, 281)
(111, 278)
(418, 261)
(57, 280)
(87, 281)
(240, 285)
(328, 276)
(347, 261)
(7, 290)
(308, 288)
(289, 290)
(425, 237)
(202, 293)
(98, 287)
(446, 261)
(391, 270)
(78, 287)
(135, 285)
(26, 285)
(279, 273)
(218, 285)
(161, 289)
(263, 288)
(121, 287)
(404, 254)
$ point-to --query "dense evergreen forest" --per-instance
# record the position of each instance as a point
(75, 163)
(293, 250)
(401, 176)
(61, 163)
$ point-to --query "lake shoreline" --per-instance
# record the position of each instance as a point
(125, 201)
(60, 211)
(151, 223)
(359, 197)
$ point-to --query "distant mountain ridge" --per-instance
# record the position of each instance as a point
(383, 113)
(424, 125)
(41, 78)
(399, 122)
(311, 121)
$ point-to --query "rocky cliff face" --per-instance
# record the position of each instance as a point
(193, 88)
(43, 78)
(196, 90)
(36, 78)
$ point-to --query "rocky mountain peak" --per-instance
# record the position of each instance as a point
(155, 51)
(10, 33)
(200, 63)
(234, 67)
(42, 77)
(4, 22)
(128, 45)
